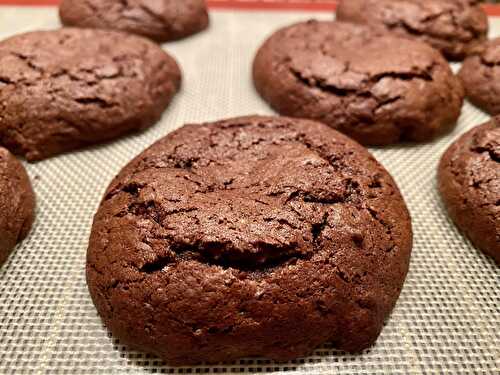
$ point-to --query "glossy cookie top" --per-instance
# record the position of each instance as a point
(17, 203)
(160, 20)
(377, 88)
(64, 89)
(480, 75)
(250, 236)
(455, 27)
(469, 182)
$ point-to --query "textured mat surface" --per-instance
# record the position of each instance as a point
(447, 319)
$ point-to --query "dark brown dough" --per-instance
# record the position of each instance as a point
(254, 236)
(480, 75)
(64, 89)
(455, 27)
(17, 203)
(377, 88)
(160, 20)
(469, 182)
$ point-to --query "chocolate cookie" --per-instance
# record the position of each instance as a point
(455, 27)
(377, 88)
(480, 75)
(254, 236)
(17, 203)
(469, 182)
(160, 20)
(64, 89)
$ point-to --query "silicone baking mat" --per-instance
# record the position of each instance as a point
(447, 320)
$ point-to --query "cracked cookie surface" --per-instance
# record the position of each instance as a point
(65, 89)
(376, 88)
(455, 27)
(480, 75)
(17, 203)
(469, 183)
(160, 20)
(253, 236)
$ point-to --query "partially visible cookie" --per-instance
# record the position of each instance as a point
(455, 27)
(17, 203)
(469, 182)
(375, 87)
(160, 20)
(64, 89)
(252, 236)
(480, 75)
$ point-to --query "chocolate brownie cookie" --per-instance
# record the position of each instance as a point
(469, 182)
(254, 236)
(17, 203)
(455, 27)
(160, 20)
(64, 89)
(377, 88)
(480, 75)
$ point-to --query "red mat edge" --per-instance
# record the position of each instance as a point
(232, 4)
(492, 10)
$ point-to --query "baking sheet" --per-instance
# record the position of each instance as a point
(447, 319)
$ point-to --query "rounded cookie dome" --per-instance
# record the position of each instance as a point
(160, 20)
(480, 75)
(17, 203)
(376, 88)
(253, 236)
(469, 183)
(64, 89)
(455, 27)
